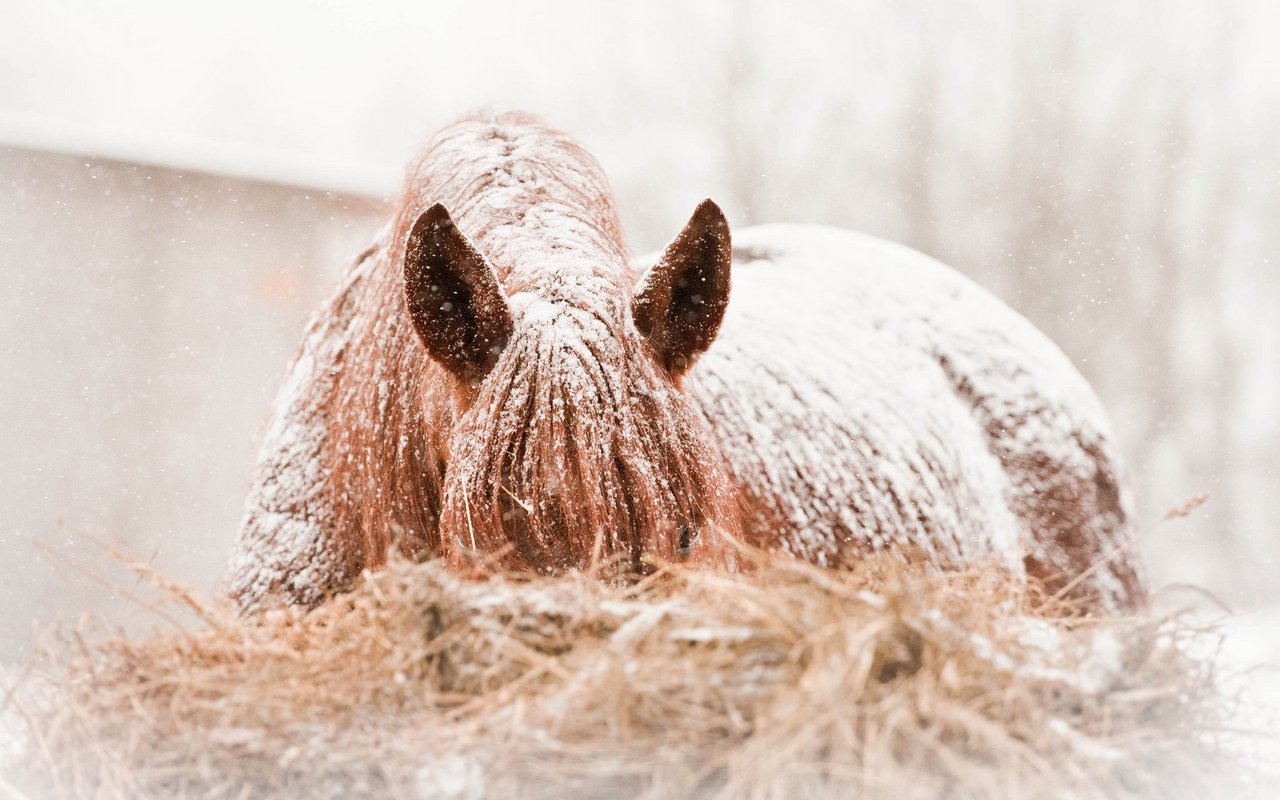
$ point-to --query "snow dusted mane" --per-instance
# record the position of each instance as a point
(574, 446)
(584, 452)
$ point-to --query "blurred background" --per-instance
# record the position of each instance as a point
(180, 183)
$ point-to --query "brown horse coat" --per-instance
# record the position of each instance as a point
(494, 382)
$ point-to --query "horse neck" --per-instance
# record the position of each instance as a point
(539, 241)
(531, 200)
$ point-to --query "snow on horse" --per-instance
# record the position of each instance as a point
(496, 384)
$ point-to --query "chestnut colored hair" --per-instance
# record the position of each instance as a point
(510, 389)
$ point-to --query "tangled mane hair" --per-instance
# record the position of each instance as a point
(575, 445)
(579, 447)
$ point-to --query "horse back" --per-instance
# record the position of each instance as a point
(866, 396)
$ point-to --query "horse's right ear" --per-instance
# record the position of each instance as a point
(453, 297)
(681, 300)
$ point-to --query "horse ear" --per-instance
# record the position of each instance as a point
(453, 297)
(680, 302)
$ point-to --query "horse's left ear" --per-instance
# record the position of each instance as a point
(680, 302)
(453, 297)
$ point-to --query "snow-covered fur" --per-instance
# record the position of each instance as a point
(495, 383)
(868, 396)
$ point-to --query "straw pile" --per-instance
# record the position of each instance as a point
(785, 681)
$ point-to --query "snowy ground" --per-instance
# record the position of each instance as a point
(1250, 659)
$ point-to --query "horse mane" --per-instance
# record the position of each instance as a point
(577, 446)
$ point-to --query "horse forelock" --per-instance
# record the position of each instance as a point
(578, 448)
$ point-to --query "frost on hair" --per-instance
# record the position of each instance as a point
(493, 384)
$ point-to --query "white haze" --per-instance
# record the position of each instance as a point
(1110, 170)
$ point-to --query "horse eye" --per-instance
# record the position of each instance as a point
(687, 535)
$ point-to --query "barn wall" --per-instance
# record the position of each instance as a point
(147, 315)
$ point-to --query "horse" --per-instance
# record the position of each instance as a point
(494, 382)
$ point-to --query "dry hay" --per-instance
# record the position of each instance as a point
(787, 681)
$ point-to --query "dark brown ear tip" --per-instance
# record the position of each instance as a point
(708, 212)
(436, 216)
(425, 227)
